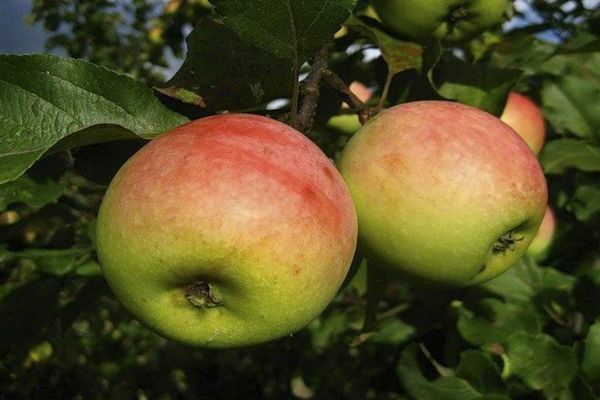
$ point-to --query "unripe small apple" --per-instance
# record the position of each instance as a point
(525, 117)
(450, 21)
(227, 231)
(446, 194)
(543, 239)
(350, 123)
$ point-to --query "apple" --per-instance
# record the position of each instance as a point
(446, 194)
(525, 117)
(543, 239)
(350, 123)
(227, 231)
(448, 20)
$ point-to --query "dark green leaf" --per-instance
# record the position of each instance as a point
(540, 362)
(26, 190)
(525, 280)
(289, 29)
(585, 202)
(45, 99)
(479, 86)
(559, 155)
(221, 72)
(571, 102)
(492, 320)
(590, 364)
(419, 387)
(399, 55)
(480, 371)
(523, 51)
(393, 331)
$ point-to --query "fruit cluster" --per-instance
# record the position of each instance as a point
(236, 229)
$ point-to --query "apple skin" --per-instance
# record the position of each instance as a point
(350, 123)
(436, 184)
(238, 214)
(450, 21)
(525, 117)
(543, 239)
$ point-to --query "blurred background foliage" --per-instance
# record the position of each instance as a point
(532, 333)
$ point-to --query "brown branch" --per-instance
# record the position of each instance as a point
(350, 98)
(310, 91)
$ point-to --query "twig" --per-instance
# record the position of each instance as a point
(350, 98)
(310, 91)
(384, 94)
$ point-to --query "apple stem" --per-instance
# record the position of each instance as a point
(200, 294)
(350, 98)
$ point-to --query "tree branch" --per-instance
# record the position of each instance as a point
(350, 98)
(310, 91)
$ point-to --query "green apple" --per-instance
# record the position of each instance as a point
(525, 117)
(448, 20)
(227, 231)
(350, 123)
(543, 239)
(446, 194)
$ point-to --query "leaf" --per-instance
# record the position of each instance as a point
(571, 102)
(590, 363)
(326, 330)
(419, 387)
(491, 320)
(479, 86)
(51, 261)
(221, 72)
(525, 280)
(26, 190)
(45, 99)
(585, 202)
(399, 55)
(26, 311)
(480, 371)
(393, 331)
(522, 50)
(540, 362)
(559, 155)
(289, 29)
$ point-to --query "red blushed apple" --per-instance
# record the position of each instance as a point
(445, 193)
(227, 231)
(543, 239)
(525, 117)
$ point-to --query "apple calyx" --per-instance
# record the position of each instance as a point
(457, 14)
(200, 294)
(505, 242)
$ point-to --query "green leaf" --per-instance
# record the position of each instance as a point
(590, 363)
(540, 362)
(525, 280)
(491, 320)
(480, 371)
(45, 99)
(523, 51)
(289, 29)
(26, 190)
(419, 387)
(326, 330)
(51, 261)
(571, 101)
(399, 55)
(585, 202)
(393, 331)
(479, 86)
(559, 155)
(221, 72)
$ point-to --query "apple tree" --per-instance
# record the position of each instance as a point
(324, 68)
